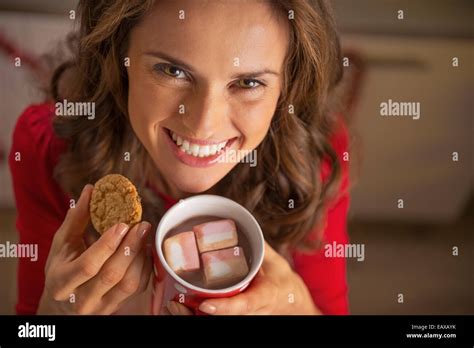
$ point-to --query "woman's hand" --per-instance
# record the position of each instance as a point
(276, 289)
(97, 279)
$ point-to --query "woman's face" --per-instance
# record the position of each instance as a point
(205, 75)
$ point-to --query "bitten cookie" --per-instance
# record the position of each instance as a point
(114, 199)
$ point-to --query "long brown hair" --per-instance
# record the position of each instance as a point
(284, 191)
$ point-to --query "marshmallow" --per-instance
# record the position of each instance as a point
(181, 252)
(216, 235)
(224, 267)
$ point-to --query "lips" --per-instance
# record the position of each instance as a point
(194, 152)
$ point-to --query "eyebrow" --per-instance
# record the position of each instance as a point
(256, 73)
(170, 59)
(188, 67)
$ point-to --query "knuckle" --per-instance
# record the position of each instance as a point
(57, 295)
(110, 245)
(110, 276)
(88, 268)
(129, 286)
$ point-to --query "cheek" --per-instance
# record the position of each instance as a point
(148, 105)
(253, 122)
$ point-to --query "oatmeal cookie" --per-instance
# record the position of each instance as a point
(114, 199)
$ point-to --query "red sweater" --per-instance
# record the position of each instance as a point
(42, 206)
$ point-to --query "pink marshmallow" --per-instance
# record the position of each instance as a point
(224, 267)
(181, 252)
(216, 235)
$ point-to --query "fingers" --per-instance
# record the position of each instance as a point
(146, 270)
(72, 228)
(238, 305)
(252, 301)
(88, 264)
(124, 267)
(130, 282)
(270, 253)
(135, 281)
(77, 218)
(175, 308)
(273, 261)
(127, 286)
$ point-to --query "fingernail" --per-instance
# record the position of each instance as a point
(207, 308)
(85, 188)
(143, 228)
(121, 229)
(82, 192)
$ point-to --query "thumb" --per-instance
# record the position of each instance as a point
(270, 253)
(77, 216)
(272, 260)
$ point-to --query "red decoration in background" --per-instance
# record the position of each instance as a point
(9, 48)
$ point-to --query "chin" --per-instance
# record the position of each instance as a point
(194, 184)
(189, 179)
(193, 180)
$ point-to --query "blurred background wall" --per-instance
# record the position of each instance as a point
(409, 250)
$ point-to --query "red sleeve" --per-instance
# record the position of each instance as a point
(41, 204)
(326, 277)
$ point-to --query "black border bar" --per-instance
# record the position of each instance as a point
(289, 330)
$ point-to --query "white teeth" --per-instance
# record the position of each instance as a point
(204, 151)
(185, 145)
(213, 149)
(195, 149)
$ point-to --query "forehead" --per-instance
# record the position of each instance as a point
(201, 31)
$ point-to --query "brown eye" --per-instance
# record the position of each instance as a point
(171, 71)
(249, 83)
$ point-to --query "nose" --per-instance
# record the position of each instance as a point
(205, 113)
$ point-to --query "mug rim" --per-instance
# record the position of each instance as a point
(241, 284)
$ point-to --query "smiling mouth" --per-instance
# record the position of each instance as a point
(199, 148)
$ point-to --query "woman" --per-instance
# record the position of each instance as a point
(173, 85)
